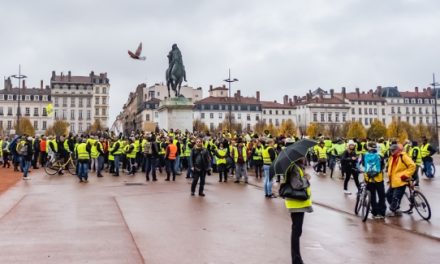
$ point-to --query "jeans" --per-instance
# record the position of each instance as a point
(150, 164)
(83, 170)
(377, 207)
(171, 168)
(394, 196)
(240, 170)
(189, 171)
(24, 165)
(196, 176)
(100, 165)
(267, 180)
(177, 164)
(117, 157)
(297, 223)
(427, 166)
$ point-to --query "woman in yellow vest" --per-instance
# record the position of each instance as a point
(131, 157)
(221, 154)
(268, 155)
(257, 159)
(82, 152)
(297, 208)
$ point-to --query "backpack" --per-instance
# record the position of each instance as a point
(372, 164)
(22, 149)
(148, 149)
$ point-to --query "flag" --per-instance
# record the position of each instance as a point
(49, 109)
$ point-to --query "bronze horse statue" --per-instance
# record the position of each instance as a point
(175, 73)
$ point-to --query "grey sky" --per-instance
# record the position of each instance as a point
(278, 47)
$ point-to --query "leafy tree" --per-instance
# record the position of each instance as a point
(345, 128)
(334, 130)
(356, 130)
(398, 130)
(96, 127)
(314, 129)
(200, 126)
(288, 128)
(59, 128)
(272, 129)
(377, 129)
(24, 127)
(259, 127)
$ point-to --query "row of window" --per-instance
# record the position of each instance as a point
(72, 127)
(329, 117)
(414, 120)
(147, 116)
(103, 90)
(27, 111)
(226, 107)
(220, 116)
(9, 124)
(63, 114)
(413, 110)
(367, 111)
(64, 101)
(23, 97)
(71, 87)
(282, 112)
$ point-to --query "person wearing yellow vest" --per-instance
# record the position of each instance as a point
(240, 158)
(117, 151)
(268, 155)
(130, 152)
(83, 155)
(416, 156)
(400, 170)
(187, 155)
(162, 149)
(321, 152)
(98, 154)
(111, 157)
(170, 159)
(427, 151)
(257, 159)
(407, 146)
(297, 208)
(93, 161)
(1, 150)
(221, 154)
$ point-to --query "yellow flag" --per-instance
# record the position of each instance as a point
(49, 109)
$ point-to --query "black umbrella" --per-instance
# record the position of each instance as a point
(290, 154)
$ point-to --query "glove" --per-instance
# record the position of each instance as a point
(405, 178)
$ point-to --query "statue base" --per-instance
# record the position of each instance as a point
(176, 113)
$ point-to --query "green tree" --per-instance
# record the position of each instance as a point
(377, 129)
(356, 130)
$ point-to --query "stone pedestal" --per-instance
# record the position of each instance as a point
(176, 113)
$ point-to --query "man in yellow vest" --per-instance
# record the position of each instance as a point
(322, 157)
(257, 158)
(221, 155)
(83, 155)
(111, 157)
(117, 151)
(269, 155)
(416, 155)
(427, 152)
(98, 155)
(297, 208)
(130, 152)
(240, 158)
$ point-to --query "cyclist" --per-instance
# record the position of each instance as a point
(427, 152)
(416, 156)
(373, 176)
(349, 158)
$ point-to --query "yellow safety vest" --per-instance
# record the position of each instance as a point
(297, 204)
(119, 150)
(266, 156)
(243, 153)
(418, 160)
(110, 156)
(258, 153)
(132, 154)
(95, 152)
(425, 151)
(321, 152)
(221, 152)
(82, 152)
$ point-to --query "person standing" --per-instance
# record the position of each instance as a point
(257, 159)
(83, 154)
(43, 151)
(25, 150)
(297, 208)
(98, 153)
(6, 152)
(117, 152)
(350, 159)
(221, 154)
(170, 159)
(240, 157)
(130, 151)
(321, 152)
(427, 152)
(36, 150)
(269, 155)
(400, 169)
(151, 152)
(201, 164)
(416, 156)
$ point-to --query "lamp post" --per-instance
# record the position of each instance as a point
(19, 77)
(229, 81)
(435, 84)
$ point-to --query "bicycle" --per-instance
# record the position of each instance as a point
(363, 200)
(423, 170)
(416, 199)
(57, 166)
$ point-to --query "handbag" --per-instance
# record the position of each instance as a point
(287, 191)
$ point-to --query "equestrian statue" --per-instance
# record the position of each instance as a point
(175, 73)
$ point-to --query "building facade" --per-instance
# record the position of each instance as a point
(33, 103)
(80, 100)
(160, 91)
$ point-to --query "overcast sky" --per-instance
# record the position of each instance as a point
(278, 47)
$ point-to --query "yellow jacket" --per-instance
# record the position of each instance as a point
(404, 166)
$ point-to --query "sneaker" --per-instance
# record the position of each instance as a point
(347, 192)
(394, 214)
(192, 194)
(378, 217)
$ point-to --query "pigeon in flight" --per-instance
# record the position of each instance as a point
(137, 54)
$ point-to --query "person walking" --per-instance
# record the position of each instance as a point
(170, 159)
(201, 164)
(25, 150)
(83, 154)
(240, 157)
(321, 152)
(257, 159)
(43, 151)
(269, 156)
(297, 208)
(5, 152)
(350, 159)
(400, 170)
(36, 150)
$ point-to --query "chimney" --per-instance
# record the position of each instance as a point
(285, 99)
(91, 75)
(24, 84)
(295, 99)
(238, 93)
(416, 89)
(41, 85)
(62, 75)
(224, 85)
(379, 90)
(53, 75)
(69, 76)
(290, 101)
(344, 94)
(332, 93)
(258, 96)
(357, 92)
(210, 87)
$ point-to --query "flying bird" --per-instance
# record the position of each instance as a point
(137, 54)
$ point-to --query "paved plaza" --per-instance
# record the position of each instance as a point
(54, 219)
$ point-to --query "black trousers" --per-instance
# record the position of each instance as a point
(377, 190)
(196, 176)
(348, 173)
(322, 166)
(297, 223)
(222, 172)
(35, 159)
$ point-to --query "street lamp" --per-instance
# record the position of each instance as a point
(19, 77)
(229, 81)
(435, 84)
